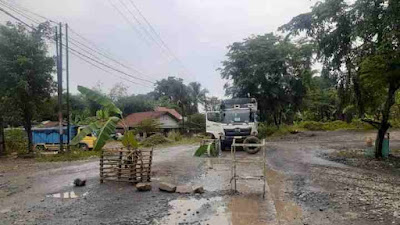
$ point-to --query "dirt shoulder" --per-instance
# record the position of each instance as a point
(329, 191)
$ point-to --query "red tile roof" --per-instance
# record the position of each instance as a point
(135, 118)
(171, 111)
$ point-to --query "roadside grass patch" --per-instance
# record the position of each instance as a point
(358, 158)
(202, 150)
(74, 155)
(159, 140)
(156, 139)
(265, 130)
(16, 141)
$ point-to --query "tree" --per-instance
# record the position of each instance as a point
(119, 90)
(135, 103)
(270, 69)
(147, 126)
(25, 71)
(175, 92)
(197, 122)
(364, 37)
(212, 103)
(197, 94)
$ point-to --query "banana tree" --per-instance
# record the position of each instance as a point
(114, 115)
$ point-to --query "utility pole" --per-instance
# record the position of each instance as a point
(67, 72)
(59, 81)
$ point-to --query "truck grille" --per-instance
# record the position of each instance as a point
(238, 132)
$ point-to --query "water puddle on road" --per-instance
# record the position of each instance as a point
(198, 211)
(66, 195)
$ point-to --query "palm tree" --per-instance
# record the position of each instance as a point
(197, 94)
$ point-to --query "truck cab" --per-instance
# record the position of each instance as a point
(237, 119)
(88, 141)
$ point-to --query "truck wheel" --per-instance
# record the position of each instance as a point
(83, 147)
(40, 147)
(252, 140)
(223, 145)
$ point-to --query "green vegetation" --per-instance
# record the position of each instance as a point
(265, 130)
(25, 74)
(16, 141)
(358, 45)
(174, 136)
(203, 150)
(156, 139)
(75, 154)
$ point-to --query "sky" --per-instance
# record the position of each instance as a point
(196, 33)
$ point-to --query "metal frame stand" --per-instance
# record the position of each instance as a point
(234, 161)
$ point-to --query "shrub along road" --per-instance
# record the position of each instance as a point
(304, 187)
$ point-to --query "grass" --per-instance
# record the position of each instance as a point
(273, 131)
(183, 141)
(68, 156)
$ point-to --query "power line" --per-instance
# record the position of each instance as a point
(96, 49)
(157, 35)
(29, 11)
(17, 11)
(165, 51)
(102, 63)
(87, 61)
(16, 18)
(129, 22)
(75, 51)
(110, 58)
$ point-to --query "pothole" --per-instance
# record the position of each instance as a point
(198, 211)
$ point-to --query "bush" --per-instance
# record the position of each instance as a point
(174, 136)
(16, 141)
(311, 125)
(203, 150)
(75, 154)
(155, 139)
(264, 130)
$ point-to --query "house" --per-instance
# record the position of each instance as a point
(168, 119)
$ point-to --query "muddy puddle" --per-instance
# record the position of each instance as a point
(198, 211)
(67, 195)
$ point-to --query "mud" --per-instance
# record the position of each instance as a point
(303, 187)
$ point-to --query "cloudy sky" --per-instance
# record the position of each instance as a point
(196, 33)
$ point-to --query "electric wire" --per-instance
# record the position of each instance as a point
(97, 60)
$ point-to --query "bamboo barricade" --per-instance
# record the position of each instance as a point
(234, 161)
(124, 165)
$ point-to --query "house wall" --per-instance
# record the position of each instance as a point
(167, 121)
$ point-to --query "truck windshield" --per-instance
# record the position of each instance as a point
(242, 116)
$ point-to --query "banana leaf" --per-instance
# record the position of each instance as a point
(105, 132)
(91, 128)
(99, 98)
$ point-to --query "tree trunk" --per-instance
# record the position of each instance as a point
(2, 142)
(357, 92)
(384, 126)
(28, 129)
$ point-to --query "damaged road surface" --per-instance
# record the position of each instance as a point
(303, 187)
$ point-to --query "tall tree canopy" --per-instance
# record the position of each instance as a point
(270, 69)
(363, 37)
(25, 71)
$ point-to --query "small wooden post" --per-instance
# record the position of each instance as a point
(120, 165)
(101, 166)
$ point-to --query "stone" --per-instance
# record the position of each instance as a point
(143, 187)
(167, 187)
(184, 189)
(198, 189)
(79, 183)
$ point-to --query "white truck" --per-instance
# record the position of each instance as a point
(236, 119)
